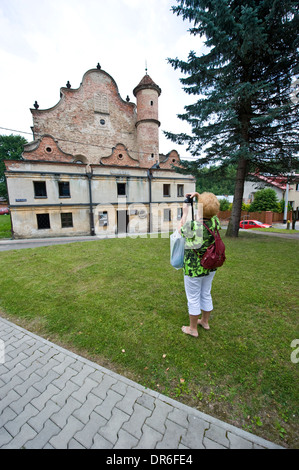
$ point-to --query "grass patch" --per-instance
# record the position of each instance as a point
(274, 230)
(5, 226)
(120, 303)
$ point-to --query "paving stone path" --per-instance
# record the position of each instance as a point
(51, 398)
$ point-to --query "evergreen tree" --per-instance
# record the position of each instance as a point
(217, 180)
(245, 113)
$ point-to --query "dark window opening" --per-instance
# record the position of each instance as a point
(167, 215)
(166, 190)
(64, 189)
(40, 189)
(180, 190)
(152, 103)
(121, 189)
(43, 221)
(103, 219)
(66, 219)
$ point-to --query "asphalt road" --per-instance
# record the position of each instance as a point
(8, 244)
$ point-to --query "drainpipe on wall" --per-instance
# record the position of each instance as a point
(91, 219)
(150, 177)
(286, 198)
(8, 203)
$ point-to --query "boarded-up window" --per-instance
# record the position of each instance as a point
(101, 103)
(66, 219)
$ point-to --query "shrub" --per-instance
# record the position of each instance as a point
(245, 207)
(281, 206)
(265, 200)
(224, 204)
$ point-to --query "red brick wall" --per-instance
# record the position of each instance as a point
(75, 121)
(47, 150)
(147, 126)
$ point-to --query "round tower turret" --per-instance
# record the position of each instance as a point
(147, 123)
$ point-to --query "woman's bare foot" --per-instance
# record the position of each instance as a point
(205, 326)
(188, 331)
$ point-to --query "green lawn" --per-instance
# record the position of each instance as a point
(5, 226)
(275, 230)
(119, 302)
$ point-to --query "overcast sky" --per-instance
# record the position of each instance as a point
(45, 43)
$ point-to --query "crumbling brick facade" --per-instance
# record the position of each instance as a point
(94, 165)
(89, 122)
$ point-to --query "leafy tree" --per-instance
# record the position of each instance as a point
(265, 200)
(245, 113)
(11, 148)
(215, 180)
(224, 204)
(282, 205)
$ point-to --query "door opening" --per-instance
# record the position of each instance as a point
(122, 221)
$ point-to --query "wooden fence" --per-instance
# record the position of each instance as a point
(261, 216)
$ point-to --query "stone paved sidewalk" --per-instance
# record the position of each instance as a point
(51, 398)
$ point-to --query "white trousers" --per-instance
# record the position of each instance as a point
(198, 293)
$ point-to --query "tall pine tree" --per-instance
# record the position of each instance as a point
(246, 112)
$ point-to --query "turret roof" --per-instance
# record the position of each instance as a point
(145, 83)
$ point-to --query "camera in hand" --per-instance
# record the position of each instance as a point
(189, 200)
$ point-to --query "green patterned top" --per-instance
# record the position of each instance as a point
(197, 238)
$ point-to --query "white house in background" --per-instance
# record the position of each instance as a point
(230, 199)
(278, 183)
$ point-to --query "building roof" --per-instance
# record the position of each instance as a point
(277, 181)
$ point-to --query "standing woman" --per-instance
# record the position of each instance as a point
(198, 280)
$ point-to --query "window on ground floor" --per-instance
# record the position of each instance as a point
(167, 215)
(43, 221)
(66, 219)
(103, 219)
(179, 213)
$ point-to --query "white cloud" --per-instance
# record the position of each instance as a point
(43, 44)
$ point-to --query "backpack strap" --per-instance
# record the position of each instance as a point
(211, 232)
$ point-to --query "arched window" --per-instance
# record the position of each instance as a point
(80, 159)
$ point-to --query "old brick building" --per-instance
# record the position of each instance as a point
(94, 165)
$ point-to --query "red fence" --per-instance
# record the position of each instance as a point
(264, 216)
